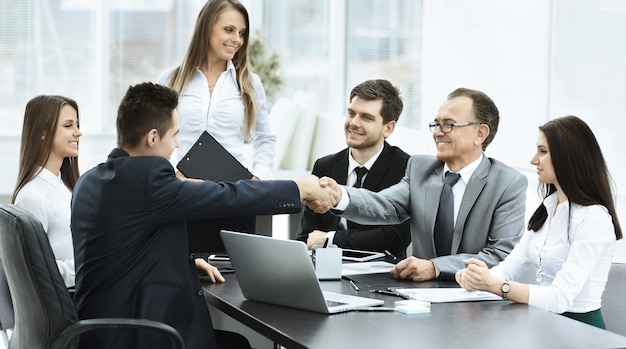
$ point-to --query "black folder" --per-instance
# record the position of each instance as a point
(208, 159)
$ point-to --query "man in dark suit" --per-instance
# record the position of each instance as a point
(128, 227)
(487, 206)
(375, 106)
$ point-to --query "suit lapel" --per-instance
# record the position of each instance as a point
(472, 190)
(379, 169)
(339, 171)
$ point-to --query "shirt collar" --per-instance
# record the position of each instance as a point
(467, 171)
(552, 201)
(230, 70)
(352, 164)
(48, 176)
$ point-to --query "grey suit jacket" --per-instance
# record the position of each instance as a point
(489, 223)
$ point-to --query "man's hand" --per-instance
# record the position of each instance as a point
(415, 269)
(182, 177)
(316, 237)
(204, 267)
(315, 192)
(333, 189)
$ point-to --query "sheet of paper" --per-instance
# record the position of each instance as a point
(443, 295)
(365, 268)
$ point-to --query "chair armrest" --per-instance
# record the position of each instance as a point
(71, 332)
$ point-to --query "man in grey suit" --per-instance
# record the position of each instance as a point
(488, 199)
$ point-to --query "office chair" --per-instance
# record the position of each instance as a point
(45, 316)
(7, 321)
(614, 300)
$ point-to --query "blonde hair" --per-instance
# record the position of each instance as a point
(197, 54)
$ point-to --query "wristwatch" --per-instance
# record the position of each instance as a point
(505, 289)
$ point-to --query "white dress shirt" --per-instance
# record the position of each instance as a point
(458, 189)
(221, 114)
(572, 254)
(351, 180)
(48, 199)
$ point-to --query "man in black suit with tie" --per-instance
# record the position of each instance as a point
(368, 162)
(128, 227)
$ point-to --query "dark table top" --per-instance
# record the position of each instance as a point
(487, 324)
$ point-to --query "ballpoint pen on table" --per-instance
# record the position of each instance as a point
(374, 309)
(390, 289)
(391, 256)
(390, 292)
(354, 286)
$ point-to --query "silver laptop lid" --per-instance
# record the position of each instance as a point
(274, 271)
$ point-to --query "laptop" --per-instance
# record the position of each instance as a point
(281, 272)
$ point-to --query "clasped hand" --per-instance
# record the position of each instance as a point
(476, 277)
(323, 194)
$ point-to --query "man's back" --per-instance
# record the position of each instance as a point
(131, 246)
(132, 260)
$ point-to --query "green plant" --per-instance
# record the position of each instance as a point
(265, 64)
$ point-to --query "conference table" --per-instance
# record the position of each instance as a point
(484, 324)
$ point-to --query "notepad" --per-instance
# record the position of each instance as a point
(209, 160)
(412, 306)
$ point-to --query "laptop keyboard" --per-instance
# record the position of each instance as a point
(331, 304)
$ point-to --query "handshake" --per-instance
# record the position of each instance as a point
(319, 194)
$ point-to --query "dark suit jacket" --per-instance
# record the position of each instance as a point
(388, 169)
(130, 244)
(489, 223)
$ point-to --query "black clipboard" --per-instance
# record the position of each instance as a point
(209, 160)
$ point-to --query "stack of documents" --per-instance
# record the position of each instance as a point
(444, 295)
(366, 268)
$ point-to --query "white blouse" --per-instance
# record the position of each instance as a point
(571, 254)
(48, 199)
(222, 115)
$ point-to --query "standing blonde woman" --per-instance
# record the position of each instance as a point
(48, 170)
(218, 92)
(571, 236)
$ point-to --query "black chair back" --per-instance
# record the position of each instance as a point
(43, 307)
(45, 316)
(7, 320)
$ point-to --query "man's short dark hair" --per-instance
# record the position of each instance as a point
(372, 90)
(145, 106)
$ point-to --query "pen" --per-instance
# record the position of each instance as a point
(392, 257)
(398, 293)
(374, 309)
(354, 286)
(390, 293)
(385, 292)
(325, 243)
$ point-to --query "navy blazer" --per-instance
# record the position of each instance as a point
(130, 244)
(386, 171)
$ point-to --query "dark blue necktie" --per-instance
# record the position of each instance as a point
(444, 225)
(360, 173)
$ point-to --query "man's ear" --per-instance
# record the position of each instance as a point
(389, 127)
(152, 137)
(483, 133)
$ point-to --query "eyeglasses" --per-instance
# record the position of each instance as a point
(448, 126)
